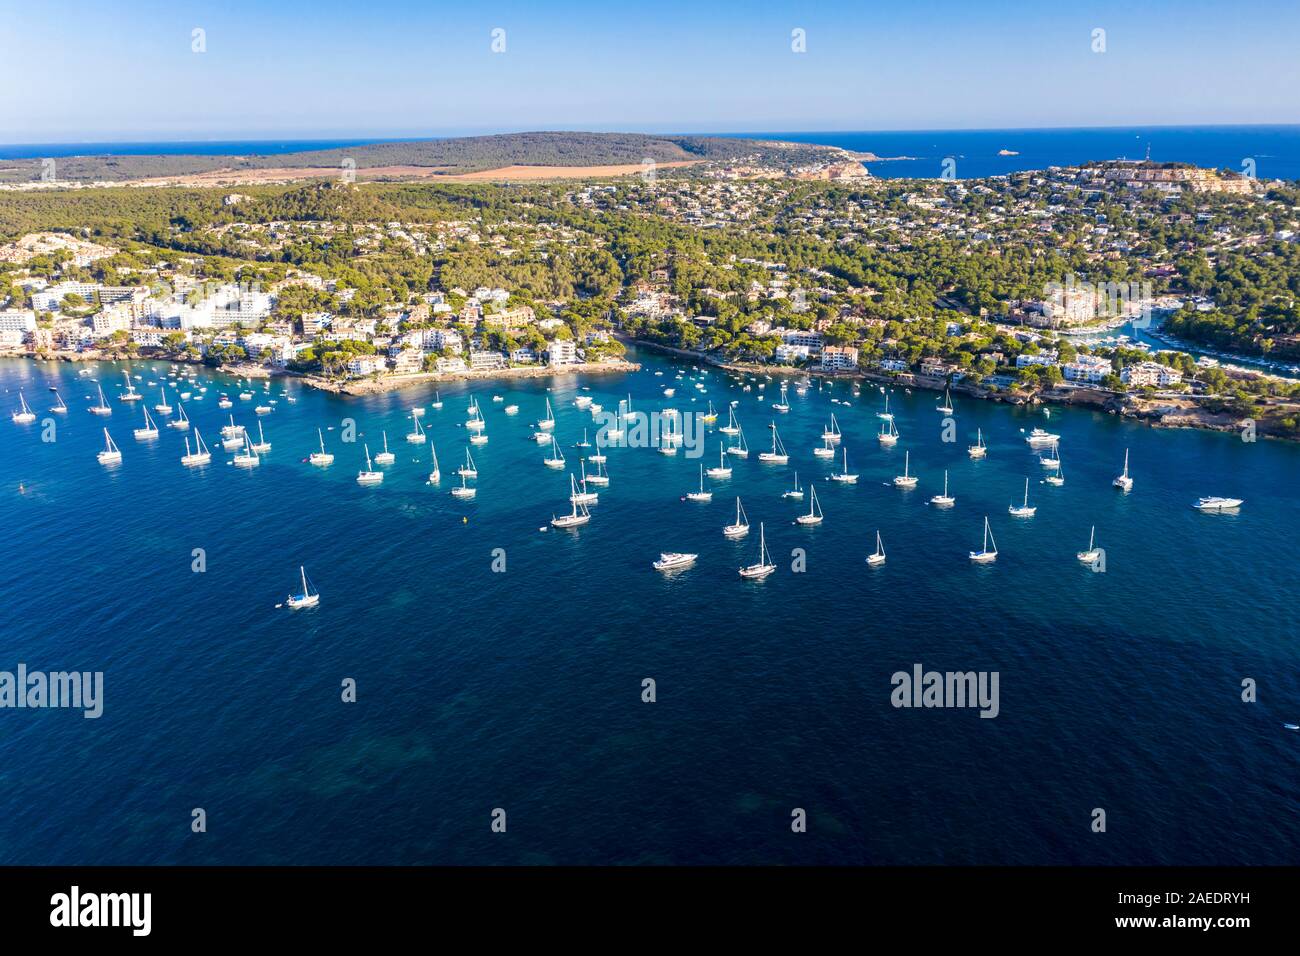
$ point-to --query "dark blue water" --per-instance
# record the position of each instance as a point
(521, 689)
(1275, 150)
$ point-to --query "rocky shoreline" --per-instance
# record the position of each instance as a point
(389, 383)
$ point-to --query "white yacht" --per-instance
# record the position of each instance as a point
(763, 566)
(827, 450)
(437, 399)
(723, 470)
(1215, 503)
(1039, 438)
(888, 432)
(844, 476)
(1053, 459)
(61, 408)
(732, 427)
(700, 495)
(435, 475)
(946, 407)
(416, 435)
(369, 476)
(878, 558)
(1023, 510)
(886, 415)
(111, 454)
(601, 477)
(673, 560)
(150, 429)
(784, 404)
(321, 458)
(232, 430)
(906, 479)
(511, 409)
(385, 457)
(582, 495)
(1123, 481)
(130, 395)
(778, 455)
(741, 526)
(463, 490)
(944, 500)
(1057, 478)
(986, 554)
(814, 515)
(163, 408)
(979, 449)
(307, 597)
(831, 432)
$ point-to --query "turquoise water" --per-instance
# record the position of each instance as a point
(522, 689)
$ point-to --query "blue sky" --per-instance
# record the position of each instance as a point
(85, 71)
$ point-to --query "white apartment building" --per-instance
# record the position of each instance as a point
(17, 320)
(787, 354)
(839, 357)
(563, 352)
(1150, 373)
(1038, 358)
(1087, 368)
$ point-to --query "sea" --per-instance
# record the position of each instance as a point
(501, 669)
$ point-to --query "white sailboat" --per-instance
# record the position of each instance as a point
(986, 554)
(739, 448)
(200, 455)
(906, 479)
(944, 500)
(469, 469)
(946, 407)
(1053, 459)
(844, 476)
(163, 408)
(437, 399)
(111, 454)
(601, 477)
(261, 446)
(306, 597)
(1093, 553)
(763, 566)
(232, 430)
(778, 455)
(979, 449)
(102, 408)
(416, 435)
(61, 408)
(1124, 482)
(150, 429)
(24, 415)
(385, 457)
(547, 423)
(583, 495)
(827, 450)
(1022, 510)
(247, 458)
(740, 527)
(784, 404)
(814, 515)
(796, 492)
(463, 490)
(130, 395)
(732, 427)
(1056, 478)
(886, 415)
(556, 458)
(435, 475)
(578, 516)
(831, 433)
(700, 495)
(182, 421)
(369, 476)
(723, 470)
(321, 458)
(888, 432)
(877, 558)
